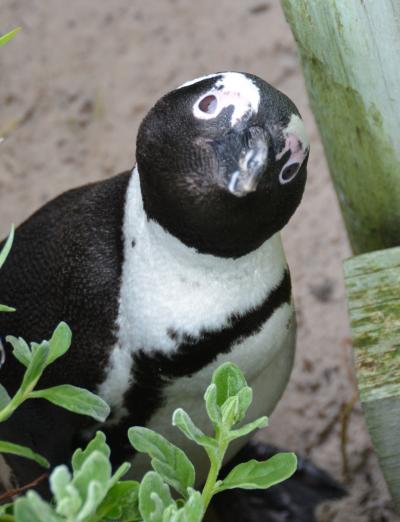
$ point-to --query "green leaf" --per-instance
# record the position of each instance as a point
(6, 509)
(96, 492)
(91, 481)
(4, 397)
(182, 420)
(167, 459)
(229, 380)
(67, 497)
(154, 497)
(230, 411)
(77, 400)
(58, 345)
(120, 472)
(34, 509)
(23, 451)
(5, 308)
(7, 37)
(262, 422)
(35, 369)
(96, 467)
(260, 475)
(192, 511)
(21, 349)
(98, 443)
(210, 398)
(60, 480)
(170, 513)
(60, 342)
(70, 504)
(245, 397)
(7, 247)
(121, 502)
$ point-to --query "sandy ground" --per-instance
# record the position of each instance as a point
(74, 86)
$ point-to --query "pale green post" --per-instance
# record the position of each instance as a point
(373, 292)
(350, 53)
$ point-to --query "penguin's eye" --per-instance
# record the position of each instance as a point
(288, 173)
(208, 104)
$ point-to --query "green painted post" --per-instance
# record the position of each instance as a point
(350, 55)
(350, 52)
(373, 292)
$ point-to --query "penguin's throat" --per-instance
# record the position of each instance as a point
(152, 242)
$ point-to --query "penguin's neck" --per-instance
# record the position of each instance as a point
(155, 244)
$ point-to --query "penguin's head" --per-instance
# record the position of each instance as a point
(222, 162)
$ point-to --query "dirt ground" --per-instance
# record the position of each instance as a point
(74, 86)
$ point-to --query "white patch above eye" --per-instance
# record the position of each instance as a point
(199, 79)
(231, 89)
(296, 127)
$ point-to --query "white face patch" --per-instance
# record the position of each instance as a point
(294, 133)
(199, 79)
(296, 127)
(231, 89)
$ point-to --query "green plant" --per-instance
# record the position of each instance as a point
(3, 40)
(7, 37)
(91, 493)
(36, 358)
(3, 256)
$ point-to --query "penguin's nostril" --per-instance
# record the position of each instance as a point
(208, 104)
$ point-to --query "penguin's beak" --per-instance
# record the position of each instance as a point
(252, 163)
(242, 158)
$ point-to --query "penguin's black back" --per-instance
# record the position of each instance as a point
(52, 274)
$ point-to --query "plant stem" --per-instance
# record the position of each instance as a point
(16, 401)
(216, 463)
(12, 492)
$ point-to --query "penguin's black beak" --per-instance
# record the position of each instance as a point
(251, 165)
(242, 157)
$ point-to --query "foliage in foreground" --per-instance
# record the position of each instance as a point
(36, 358)
(90, 492)
(9, 36)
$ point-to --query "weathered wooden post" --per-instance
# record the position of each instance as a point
(373, 292)
(350, 55)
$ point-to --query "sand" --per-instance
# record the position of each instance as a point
(74, 86)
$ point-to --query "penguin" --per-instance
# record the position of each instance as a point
(163, 272)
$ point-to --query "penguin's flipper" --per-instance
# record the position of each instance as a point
(294, 500)
(64, 265)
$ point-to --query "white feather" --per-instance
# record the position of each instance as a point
(231, 89)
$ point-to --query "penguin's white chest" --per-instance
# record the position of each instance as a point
(266, 359)
(171, 295)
